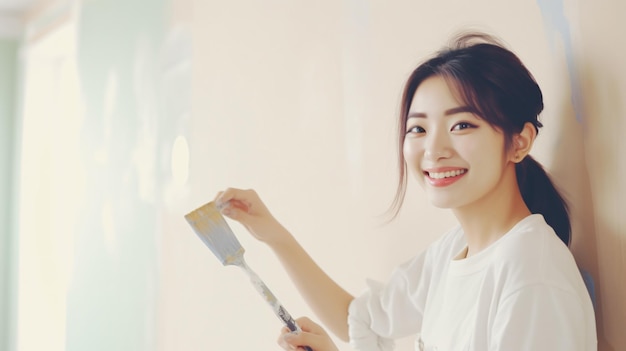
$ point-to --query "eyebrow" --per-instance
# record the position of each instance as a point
(448, 112)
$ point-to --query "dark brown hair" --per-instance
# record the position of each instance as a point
(492, 81)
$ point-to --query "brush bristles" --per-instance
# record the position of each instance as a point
(213, 230)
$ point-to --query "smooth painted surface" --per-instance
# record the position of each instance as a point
(115, 271)
(96, 135)
(8, 96)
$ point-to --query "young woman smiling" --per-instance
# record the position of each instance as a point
(503, 279)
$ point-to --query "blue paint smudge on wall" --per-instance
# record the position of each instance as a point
(553, 12)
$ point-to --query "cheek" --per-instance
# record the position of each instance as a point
(484, 153)
(412, 154)
(472, 151)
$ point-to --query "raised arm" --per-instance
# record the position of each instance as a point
(328, 300)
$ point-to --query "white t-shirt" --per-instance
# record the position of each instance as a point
(523, 292)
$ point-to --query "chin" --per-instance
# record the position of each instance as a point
(443, 203)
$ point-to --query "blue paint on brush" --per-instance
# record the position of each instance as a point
(553, 12)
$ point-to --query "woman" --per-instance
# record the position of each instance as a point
(504, 279)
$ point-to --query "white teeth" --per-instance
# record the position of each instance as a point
(448, 174)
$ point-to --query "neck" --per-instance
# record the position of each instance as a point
(487, 220)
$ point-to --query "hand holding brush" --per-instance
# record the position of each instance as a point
(213, 230)
(328, 300)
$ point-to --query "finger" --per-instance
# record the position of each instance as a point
(307, 325)
(226, 195)
(297, 340)
(233, 197)
(285, 333)
(312, 335)
(284, 345)
(235, 214)
(281, 339)
(240, 204)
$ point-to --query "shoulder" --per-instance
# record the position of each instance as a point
(532, 254)
(538, 282)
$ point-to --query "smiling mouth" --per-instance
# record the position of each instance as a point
(447, 174)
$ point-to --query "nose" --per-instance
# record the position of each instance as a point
(437, 145)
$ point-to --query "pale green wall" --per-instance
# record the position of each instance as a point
(8, 74)
(111, 303)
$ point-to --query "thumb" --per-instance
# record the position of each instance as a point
(314, 341)
(298, 340)
(236, 214)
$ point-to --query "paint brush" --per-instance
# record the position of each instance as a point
(210, 226)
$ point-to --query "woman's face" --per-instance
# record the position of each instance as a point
(458, 158)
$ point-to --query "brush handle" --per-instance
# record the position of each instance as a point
(271, 299)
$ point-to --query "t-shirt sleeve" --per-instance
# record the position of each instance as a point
(538, 318)
(385, 312)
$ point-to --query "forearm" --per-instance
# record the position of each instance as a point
(328, 300)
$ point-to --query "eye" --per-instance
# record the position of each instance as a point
(463, 125)
(415, 130)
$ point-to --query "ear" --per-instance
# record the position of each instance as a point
(523, 142)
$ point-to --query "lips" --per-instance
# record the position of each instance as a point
(446, 174)
(444, 177)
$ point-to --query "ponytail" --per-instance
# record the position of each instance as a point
(541, 196)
